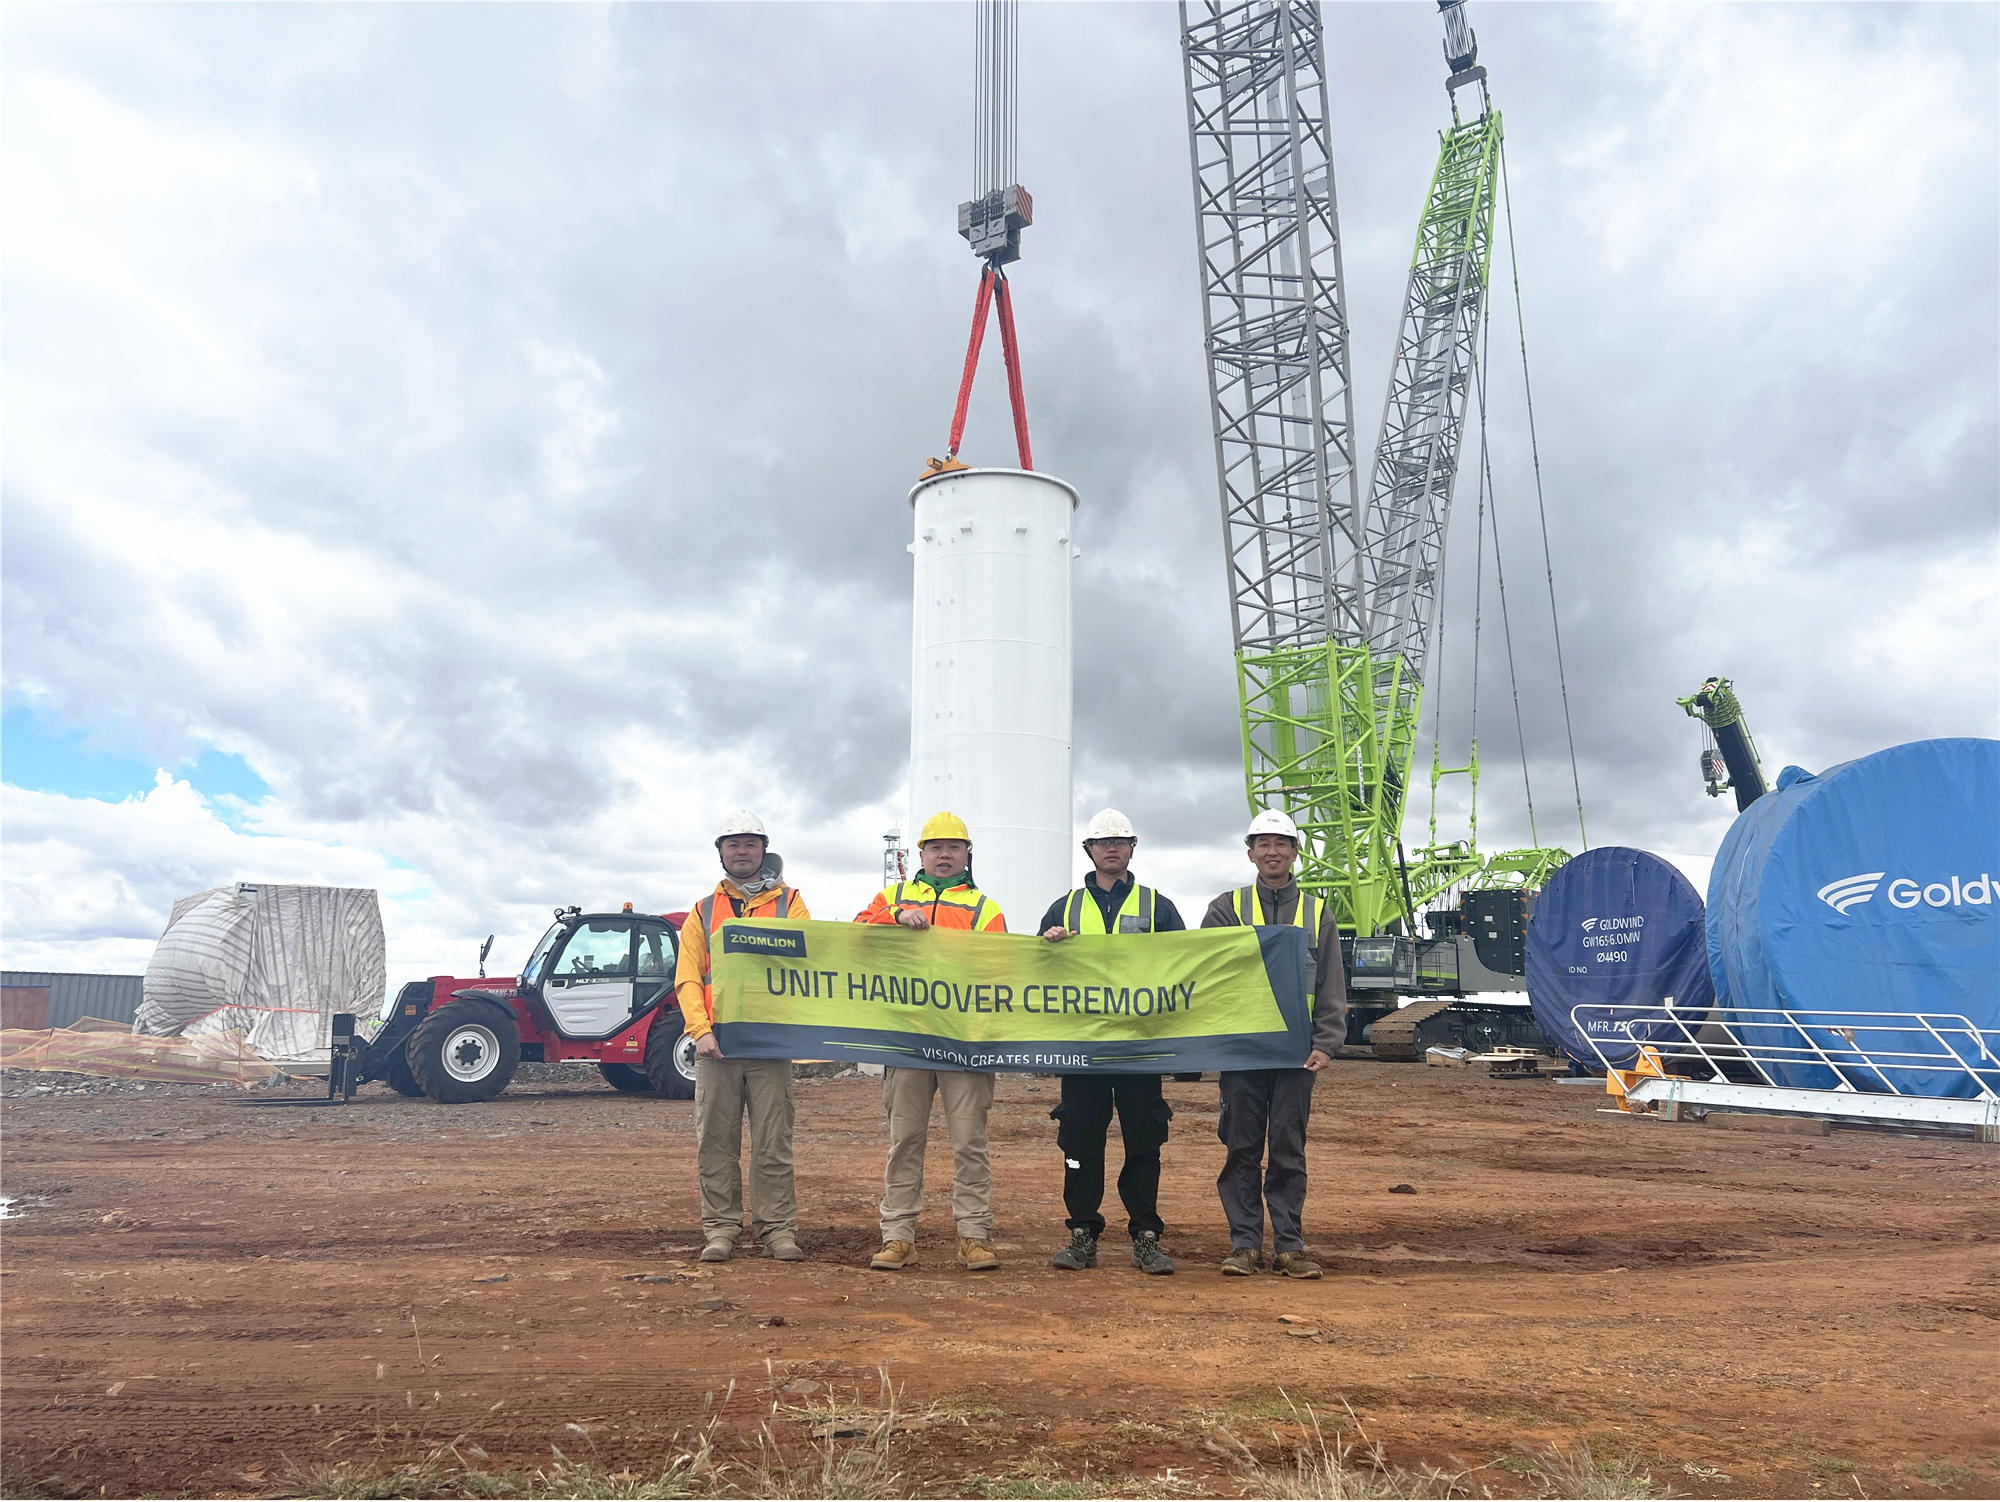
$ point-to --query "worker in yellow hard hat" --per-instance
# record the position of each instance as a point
(941, 895)
(1268, 1107)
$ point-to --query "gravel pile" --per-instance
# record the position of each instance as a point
(21, 1083)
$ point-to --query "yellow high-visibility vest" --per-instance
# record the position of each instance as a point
(1305, 915)
(1135, 916)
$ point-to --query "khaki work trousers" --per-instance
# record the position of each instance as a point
(724, 1089)
(906, 1096)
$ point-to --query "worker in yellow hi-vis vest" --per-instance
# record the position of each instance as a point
(1270, 1106)
(941, 895)
(1110, 901)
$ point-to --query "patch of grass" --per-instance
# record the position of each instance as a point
(967, 1405)
(864, 1467)
(1829, 1470)
(1581, 1472)
(1520, 1465)
(1940, 1475)
(1034, 1478)
(848, 1455)
(450, 1471)
(1535, 1418)
(1270, 1403)
(1325, 1466)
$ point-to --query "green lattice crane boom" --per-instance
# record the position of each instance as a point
(1334, 597)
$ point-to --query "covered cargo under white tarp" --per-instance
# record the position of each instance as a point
(271, 962)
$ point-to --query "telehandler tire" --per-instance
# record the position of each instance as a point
(465, 1051)
(400, 1079)
(629, 1078)
(670, 1056)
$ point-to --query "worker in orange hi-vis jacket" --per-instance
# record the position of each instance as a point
(941, 895)
(725, 1090)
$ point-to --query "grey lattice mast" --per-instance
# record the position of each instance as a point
(1275, 319)
(1423, 419)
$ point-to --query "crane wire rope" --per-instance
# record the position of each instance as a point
(1437, 694)
(1491, 504)
(1541, 506)
(995, 143)
(1478, 627)
(995, 94)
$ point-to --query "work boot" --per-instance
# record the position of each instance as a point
(894, 1256)
(1147, 1256)
(976, 1254)
(1080, 1253)
(1296, 1265)
(1242, 1261)
(782, 1246)
(719, 1249)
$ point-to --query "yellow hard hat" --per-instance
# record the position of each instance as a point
(943, 826)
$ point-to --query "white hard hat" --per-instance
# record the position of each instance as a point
(1273, 821)
(1109, 824)
(741, 822)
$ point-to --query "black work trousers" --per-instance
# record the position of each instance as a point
(1083, 1123)
(1263, 1107)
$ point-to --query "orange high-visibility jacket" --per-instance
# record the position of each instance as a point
(725, 902)
(954, 907)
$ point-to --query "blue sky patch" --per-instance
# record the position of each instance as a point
(39, 754)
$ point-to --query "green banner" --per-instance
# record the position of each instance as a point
(1217, 998)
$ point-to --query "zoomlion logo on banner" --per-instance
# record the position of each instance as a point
(781, 943)
(1852, 891)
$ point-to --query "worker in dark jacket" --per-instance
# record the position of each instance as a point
(1111, 902)
(1263, 1107)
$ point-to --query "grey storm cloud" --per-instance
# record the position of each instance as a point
(452, 408)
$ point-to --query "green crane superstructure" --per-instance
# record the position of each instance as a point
(1334, 600)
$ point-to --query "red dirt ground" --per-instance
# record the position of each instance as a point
(199, 1294)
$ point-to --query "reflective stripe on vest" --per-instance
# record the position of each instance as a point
(1305, 915)
(893, 896)
(709, 923)
(1135, 916)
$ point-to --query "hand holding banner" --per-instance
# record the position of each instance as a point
(1217, 998)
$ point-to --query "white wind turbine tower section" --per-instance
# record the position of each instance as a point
(990, 677)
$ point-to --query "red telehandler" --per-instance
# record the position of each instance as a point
(599, 988)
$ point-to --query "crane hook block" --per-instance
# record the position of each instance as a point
(992, 225)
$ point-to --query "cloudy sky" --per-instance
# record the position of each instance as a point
(461, 450)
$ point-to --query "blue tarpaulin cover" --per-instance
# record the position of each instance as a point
(1620, 928)
(1869, 888)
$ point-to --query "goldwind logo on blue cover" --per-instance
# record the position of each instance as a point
(1850, 891)
(1903, 892)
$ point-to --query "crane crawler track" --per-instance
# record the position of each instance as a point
(1395, 1036)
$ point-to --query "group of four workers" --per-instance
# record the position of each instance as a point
(1264, 1111)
